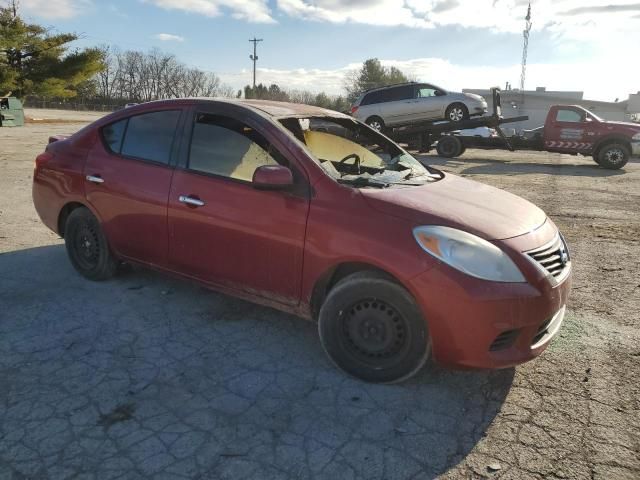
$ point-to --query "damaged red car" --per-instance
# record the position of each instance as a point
(312, 212)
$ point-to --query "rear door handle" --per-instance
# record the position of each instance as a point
(95, 179)
(196, 202)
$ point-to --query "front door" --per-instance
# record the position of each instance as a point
(569, 131)
(127, 179)
(224, 231)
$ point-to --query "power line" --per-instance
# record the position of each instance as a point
(254, 57)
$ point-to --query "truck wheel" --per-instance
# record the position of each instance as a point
(457, 112)
(87, 246)
(612, 156)
(371, 328)
(376, 123)
(449, 146)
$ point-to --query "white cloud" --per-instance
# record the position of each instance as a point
(574, 17)
(255, 11)
(168, 37)
(597, 84)
(54, 9)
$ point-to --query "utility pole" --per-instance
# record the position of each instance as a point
(254, 57)
(525, 47)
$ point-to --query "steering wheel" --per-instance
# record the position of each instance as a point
(356, 163)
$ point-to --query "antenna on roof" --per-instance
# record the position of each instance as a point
(525, 47)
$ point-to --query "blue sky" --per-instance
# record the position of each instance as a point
(313, 44)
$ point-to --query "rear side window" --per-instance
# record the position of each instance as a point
(401, 93)
(568, 116)
(150, 136)
(229, 148)
(379, 96)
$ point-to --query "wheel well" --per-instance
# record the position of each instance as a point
(64, 214)
(457, 103)
(371, 117)
(608, 141)
(330, 278)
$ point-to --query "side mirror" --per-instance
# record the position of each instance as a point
(272, 177)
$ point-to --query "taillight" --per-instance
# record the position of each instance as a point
(354, 109)
(43, 158)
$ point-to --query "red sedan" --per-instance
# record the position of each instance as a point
(312, 212)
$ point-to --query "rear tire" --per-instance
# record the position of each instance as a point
(457, 112)
(376, 123)
(612, 156)
(371, 328)
(87, 246)
(449, 146)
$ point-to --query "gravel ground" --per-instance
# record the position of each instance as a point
(150, 377)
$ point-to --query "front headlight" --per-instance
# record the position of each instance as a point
(636, 136)
(468, 253)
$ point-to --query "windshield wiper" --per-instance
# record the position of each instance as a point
(362, 182)
(367, 182)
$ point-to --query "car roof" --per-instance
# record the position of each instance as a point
(393, 85)
(271, 108)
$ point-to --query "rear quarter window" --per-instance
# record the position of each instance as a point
(113, 135)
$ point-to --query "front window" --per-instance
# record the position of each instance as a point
(354, 154)
(566, 115)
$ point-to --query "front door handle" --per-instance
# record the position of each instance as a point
(95, 179)
(195, 202)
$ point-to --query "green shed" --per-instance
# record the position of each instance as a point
(11, 112)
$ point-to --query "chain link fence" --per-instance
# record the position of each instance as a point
(83, 106)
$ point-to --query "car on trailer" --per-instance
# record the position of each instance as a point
(406, 103)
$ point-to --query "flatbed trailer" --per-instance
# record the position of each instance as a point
(424, 134)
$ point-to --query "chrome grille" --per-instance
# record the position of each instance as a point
(553, 257)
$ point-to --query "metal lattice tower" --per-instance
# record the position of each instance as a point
(525, 47)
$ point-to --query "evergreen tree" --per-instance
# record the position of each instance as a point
(34, 61)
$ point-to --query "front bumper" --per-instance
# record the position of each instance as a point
(476, 323)
(635, 149)
(479, 109)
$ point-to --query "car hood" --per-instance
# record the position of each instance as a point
(488, 212)
(627, 125)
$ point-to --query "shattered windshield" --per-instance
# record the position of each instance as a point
(354, 154)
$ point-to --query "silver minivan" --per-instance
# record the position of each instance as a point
(407, 103)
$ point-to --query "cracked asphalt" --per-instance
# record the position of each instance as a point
(145, 376)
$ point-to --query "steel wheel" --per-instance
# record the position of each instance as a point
(87, 246)
(374, 332)
(612, 156)
(371, 328)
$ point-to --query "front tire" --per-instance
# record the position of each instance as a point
(612, 156)
(371, 328)
(457, 112)
(87, 246)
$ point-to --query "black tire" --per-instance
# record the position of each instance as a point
(449, 146)
(87, 246)
(612, 156)
(456, 112)
(371, 328)
(376, 123)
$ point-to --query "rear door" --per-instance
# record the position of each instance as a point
(127, 179)
(224, 231)
(568, 131)
(397, 108)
